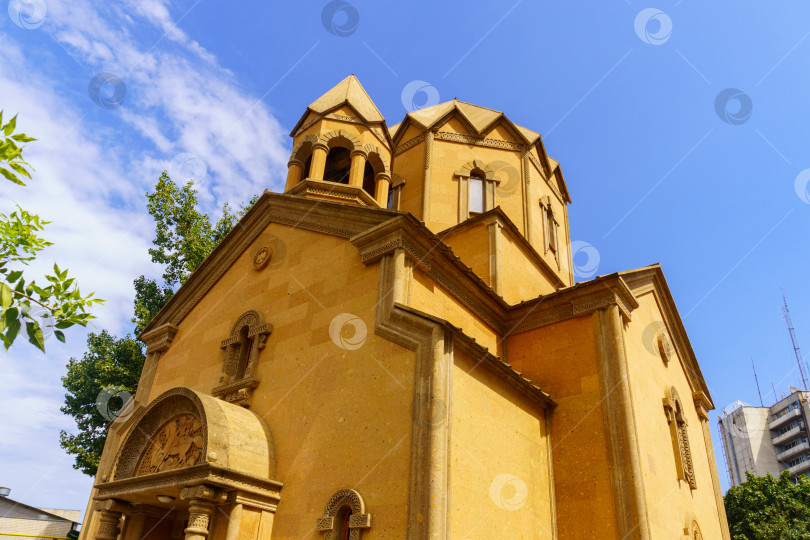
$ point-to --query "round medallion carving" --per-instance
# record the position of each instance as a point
(262, 257)
(179, 443)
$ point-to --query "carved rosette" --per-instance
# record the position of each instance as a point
(262, 257)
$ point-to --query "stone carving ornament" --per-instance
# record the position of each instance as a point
(673, 407)
(358, 519)
(178, 444)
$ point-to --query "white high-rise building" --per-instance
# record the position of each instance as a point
(767, 440)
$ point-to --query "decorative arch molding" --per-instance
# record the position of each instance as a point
(342, 138)
(303, 150)
(155, 425)
(331, 524)
(240, 358)
(374, 155)
(673, 408)
(486, 168)
(213, 432)
(692, 530)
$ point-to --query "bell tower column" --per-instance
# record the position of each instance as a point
(294, 171)
(358, 167)
(319, 152)
(383, 181)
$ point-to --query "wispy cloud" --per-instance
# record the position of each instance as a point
(93, 167)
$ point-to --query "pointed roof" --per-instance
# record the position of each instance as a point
(348, 91)
(480, 118)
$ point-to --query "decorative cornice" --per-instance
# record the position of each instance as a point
(160, 338)
(573, 302)
(478, 141)
(332, 191)
(339, 219)
(205, 473)
(407, 145)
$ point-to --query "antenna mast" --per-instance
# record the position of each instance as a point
(761, 403)
(792, 332)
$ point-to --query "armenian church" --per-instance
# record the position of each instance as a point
(397, 347)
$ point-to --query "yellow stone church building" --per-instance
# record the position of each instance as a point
(396, 347)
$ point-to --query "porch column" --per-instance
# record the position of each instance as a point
(358, 167)
(201, 506)
(318, 165)
(294, 171)
(109, 524)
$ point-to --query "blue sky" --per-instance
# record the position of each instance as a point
(626, 99)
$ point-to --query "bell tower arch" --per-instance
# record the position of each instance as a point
(342, 148)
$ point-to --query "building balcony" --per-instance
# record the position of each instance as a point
(785, 437)
(795, 413)
(801, 468)
(793, 451)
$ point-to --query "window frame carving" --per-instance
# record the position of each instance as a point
(235, 387)
(486, 173)
(674, 410)
(358, 520)
(551, 240)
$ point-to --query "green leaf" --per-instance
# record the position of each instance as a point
(35, 335)
(12, 329)
(11, 176)
(14, 276)
(6, 296)
(22, 137)
(59, 335)
(8, 129)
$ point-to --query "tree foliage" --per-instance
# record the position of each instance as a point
(768, 508)
(110, 363)
(184, 237)
(41, 309)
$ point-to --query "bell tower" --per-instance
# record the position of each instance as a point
(483, 184)
(342, 149)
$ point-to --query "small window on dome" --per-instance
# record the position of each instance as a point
(477, 194)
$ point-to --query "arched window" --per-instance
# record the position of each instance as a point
(342, 520)
(476, 189)
(307, 167)
(240, 356)
(673, 408)
(369, 185)
(344, 517)
(477, 192)
(338, 163)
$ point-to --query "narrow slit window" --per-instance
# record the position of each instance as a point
(477, 197)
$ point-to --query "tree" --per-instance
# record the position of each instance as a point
(110, 370)
(112, 364)
(42, 309)
(768, 508)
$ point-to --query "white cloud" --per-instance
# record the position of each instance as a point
(90, 181)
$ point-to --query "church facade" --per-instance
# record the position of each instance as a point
(396, 347)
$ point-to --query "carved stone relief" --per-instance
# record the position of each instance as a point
(178, 444)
